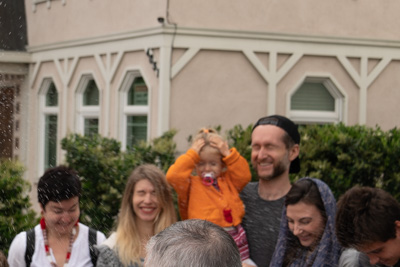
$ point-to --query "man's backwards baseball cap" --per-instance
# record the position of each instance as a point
(290, 128)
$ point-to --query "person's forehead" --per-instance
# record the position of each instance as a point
(209, 151)
(371, 247)
(64, 203)
(301, 210)
(267, 131)
(144, 184)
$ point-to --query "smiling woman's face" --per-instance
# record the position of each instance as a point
(306, 223)
(60, 217)
(145, 202)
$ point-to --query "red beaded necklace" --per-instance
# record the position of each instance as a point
(47, 247)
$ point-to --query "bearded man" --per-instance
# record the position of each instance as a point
(274, 154)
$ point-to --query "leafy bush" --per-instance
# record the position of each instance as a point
(104, 170)
(342, 156)
(240, 138)
(15, 207)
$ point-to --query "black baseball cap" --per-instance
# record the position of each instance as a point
(289, 127)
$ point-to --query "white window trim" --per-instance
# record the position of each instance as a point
(85, 112)
(126, 110)
(337, 92)
(43, 112)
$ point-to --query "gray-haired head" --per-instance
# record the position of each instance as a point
(192, 243)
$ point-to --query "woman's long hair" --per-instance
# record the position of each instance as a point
(128, 242)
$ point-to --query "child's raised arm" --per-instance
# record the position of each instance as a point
(179, 175)
(238, 169)
(197, 145)
(221, 145)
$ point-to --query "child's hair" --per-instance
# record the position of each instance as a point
(58, 184)
(206, 133)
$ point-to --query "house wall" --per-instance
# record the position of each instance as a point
(67, 21)
(383, 98)
(342, 18)
(228, 92)
(219, 63)
(74, 20)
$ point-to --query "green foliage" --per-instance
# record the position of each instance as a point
(15, 207)
(342, 156)
(240, 138)
(104, 170)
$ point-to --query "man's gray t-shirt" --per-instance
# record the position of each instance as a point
(261, 222)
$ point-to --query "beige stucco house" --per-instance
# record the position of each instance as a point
(132, 69)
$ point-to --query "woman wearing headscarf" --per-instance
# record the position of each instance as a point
(307, 232)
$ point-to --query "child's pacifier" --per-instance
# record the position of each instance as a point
(208, 178)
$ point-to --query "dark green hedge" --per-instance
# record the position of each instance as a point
(104, 170)
(342, 156)
(16, 214)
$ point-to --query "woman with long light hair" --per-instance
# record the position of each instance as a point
(146, 209)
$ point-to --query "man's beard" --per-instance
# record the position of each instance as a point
(278, 170)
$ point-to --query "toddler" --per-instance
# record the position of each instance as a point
(212, 193)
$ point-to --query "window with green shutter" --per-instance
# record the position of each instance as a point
(317, 100)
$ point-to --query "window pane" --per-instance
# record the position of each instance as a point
(52, 96)
(50, 142)
(91, 94)
(138, 92)
(91, 126)
(313, 96)
(136, 130)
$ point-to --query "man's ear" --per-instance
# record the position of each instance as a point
(294, 152)
(41, 209)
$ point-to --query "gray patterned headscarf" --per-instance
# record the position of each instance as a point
(327, 252)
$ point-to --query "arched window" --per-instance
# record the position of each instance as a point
(135, 109)
(88, 106)
(49, 109)
(317, 100)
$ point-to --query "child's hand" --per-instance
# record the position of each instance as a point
(221, 145)
(197, 145)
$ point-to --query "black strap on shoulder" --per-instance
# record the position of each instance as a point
(30, 246)
(92, 242)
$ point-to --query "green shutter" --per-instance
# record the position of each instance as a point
(138, 93)
(91, 126)
(52, 96)
(91, 94)
(136, 130)
(312, 97)
(50, 143)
